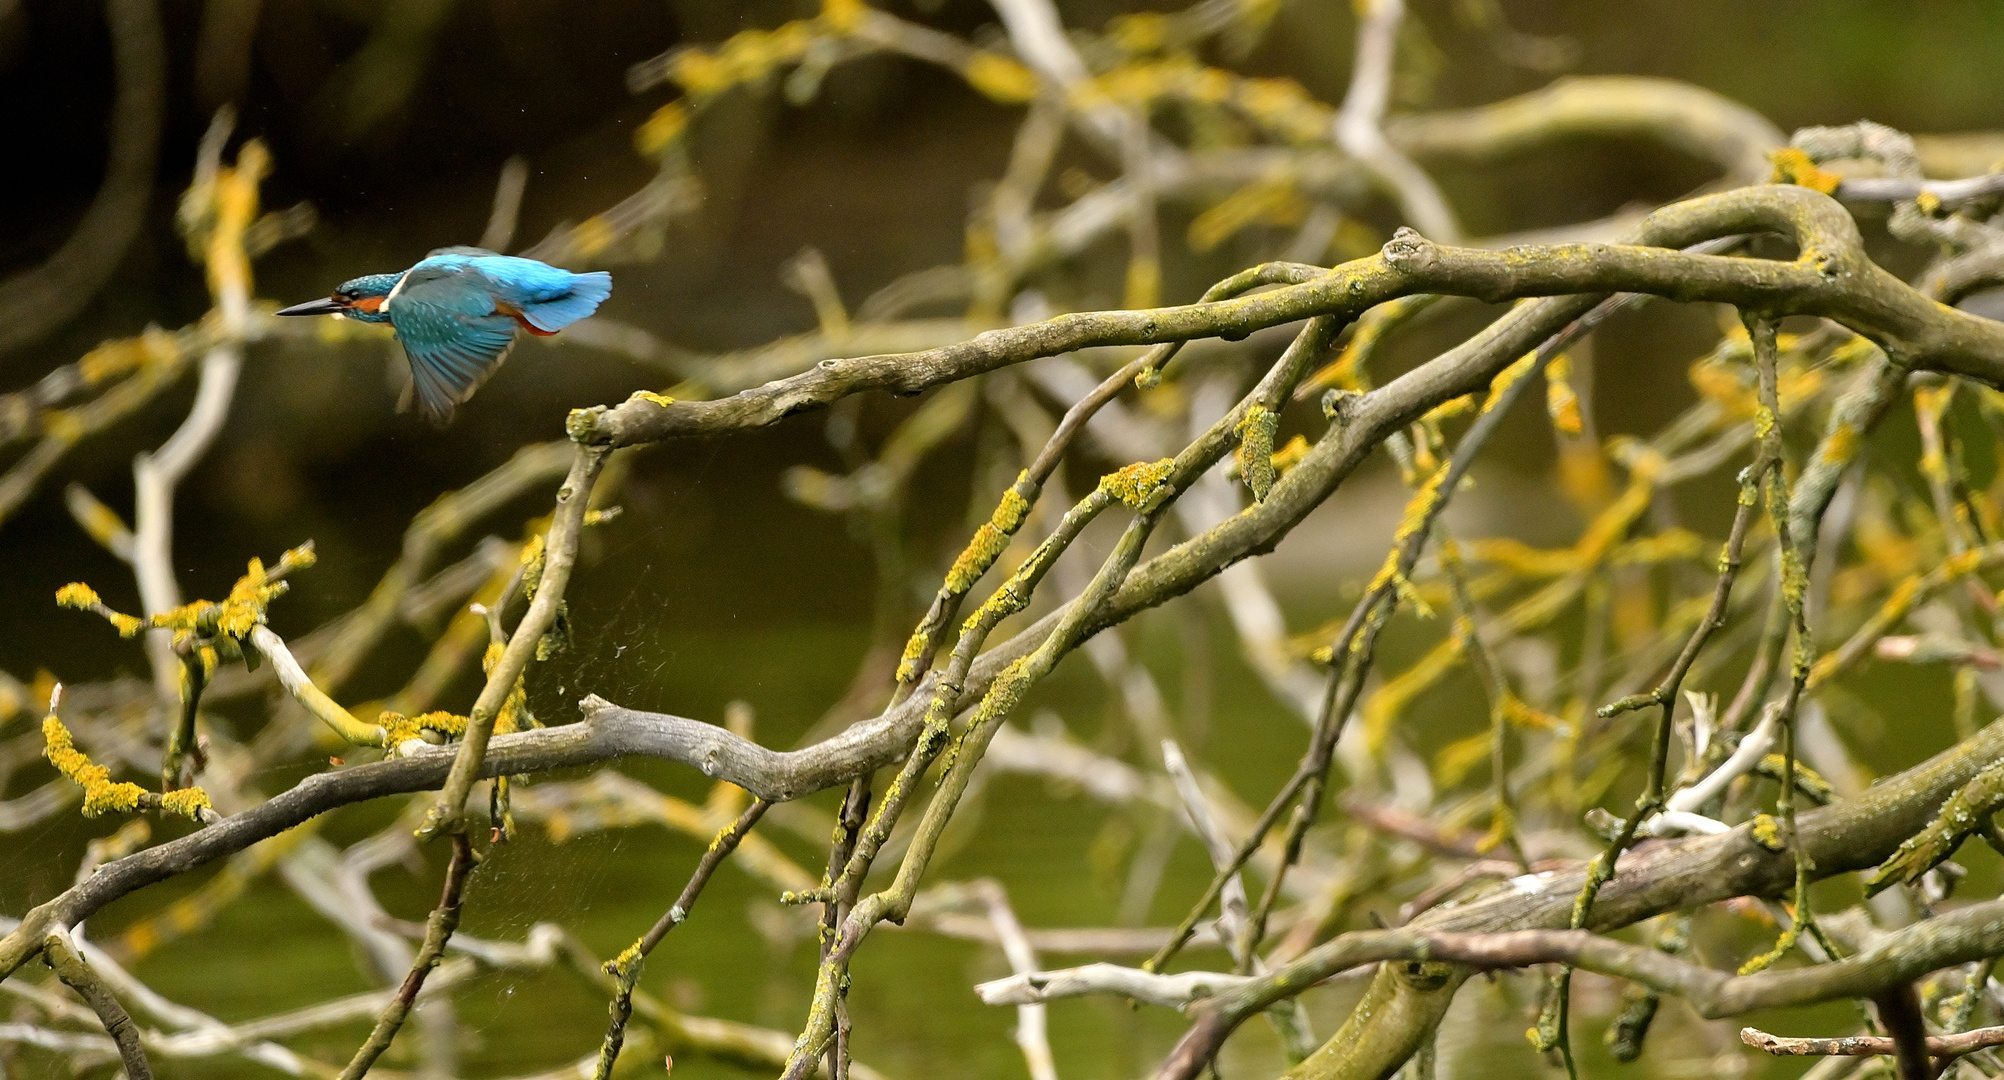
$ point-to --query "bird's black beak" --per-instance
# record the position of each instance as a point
(312, 307)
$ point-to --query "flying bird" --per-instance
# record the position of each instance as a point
(456, 313)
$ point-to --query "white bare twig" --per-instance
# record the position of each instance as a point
(1175, 991)
(1359, 130)
(1031, 1032)
(1745, 756)
(156, 475)
(1232, 911)
(500, 231)
(301, 687)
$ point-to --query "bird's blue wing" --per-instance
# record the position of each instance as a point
(452, 331)
(447, 369)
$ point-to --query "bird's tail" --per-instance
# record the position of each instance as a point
(587, 291)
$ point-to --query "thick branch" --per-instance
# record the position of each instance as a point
(1832, 277)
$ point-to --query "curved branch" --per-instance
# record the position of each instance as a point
(1685, 117)
(1175, 991)
(1972, 933)
(39, 300)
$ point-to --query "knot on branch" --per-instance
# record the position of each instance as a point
(1408, 250)
(582, 425)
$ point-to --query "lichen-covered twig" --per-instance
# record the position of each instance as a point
(626, 968)
(573, 500)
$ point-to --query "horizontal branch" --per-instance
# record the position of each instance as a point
(1939, 1046)
(594, 742)
(1972, 933)
(1175, 991)
(1684, 117)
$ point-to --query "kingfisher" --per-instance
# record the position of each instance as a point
(456, 313)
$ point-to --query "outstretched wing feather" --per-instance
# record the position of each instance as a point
(446, 373)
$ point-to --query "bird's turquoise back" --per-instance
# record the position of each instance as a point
(549, 297)
(456, 313)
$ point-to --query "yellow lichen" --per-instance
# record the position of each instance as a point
(1767, 832)
(627, 964)
(1290, 455)
(401, 729)
(915, 650)
(1417, 511)
(78, 596)
(1781, 946)
(1007, 601)
(187, 802)
(1004, 694)
(662, 129)
(1013, 508)
(662, 400)
(532, 564)
(1000, 78)
(1840, 446)
(1561, 402)
(101, 793)
(975, 559)
(1505, 378)
(1139, 485)
(1792, 166)
(1255, 451)
(1764, 422)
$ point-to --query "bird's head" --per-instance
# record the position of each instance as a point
(360, 299)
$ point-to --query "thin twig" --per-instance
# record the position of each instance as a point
(438, 930)
(118, 1024)
(625, 969)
